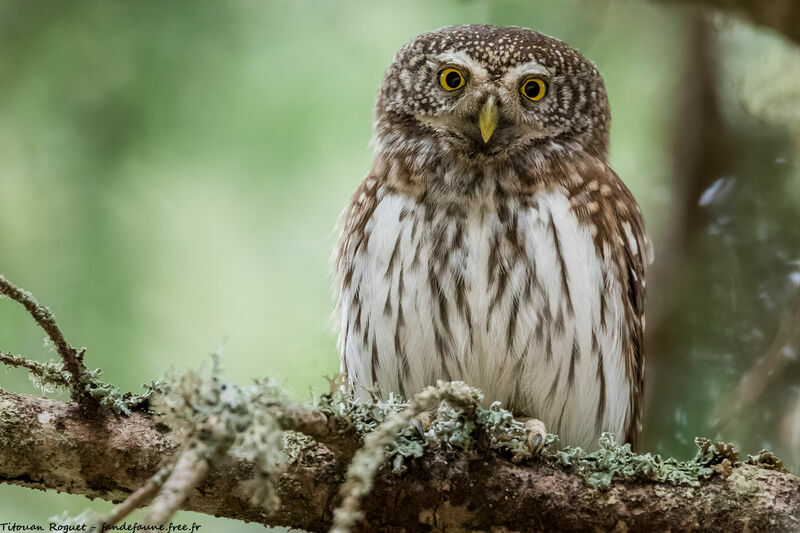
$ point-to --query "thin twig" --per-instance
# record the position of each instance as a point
(367, 460)
(41, 370)
(139, 498)
(766, 368)
(44, 318)
(189, 471)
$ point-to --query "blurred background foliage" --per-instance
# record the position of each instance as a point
(171, 174)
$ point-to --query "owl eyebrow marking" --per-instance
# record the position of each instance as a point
(461, 58)
(523, 69)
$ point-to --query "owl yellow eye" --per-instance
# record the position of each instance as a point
(533, 89)
(451, 79)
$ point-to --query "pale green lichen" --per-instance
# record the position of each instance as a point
(766, 459)
(362, 414)
(237, 420)
(294, 444)
(450, 427)
(615, 462)
(507, 434)
(49, 377)
(369, 458)
(52, 378)
(110, 397)
(228, 419)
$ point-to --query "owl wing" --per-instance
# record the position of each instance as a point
(603, 201)
(353, 239)
(636, 254)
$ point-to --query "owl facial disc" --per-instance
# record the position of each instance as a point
(436, 97)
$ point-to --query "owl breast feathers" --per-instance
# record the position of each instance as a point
(490, 242)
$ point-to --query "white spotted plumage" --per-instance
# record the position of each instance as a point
(479, 349)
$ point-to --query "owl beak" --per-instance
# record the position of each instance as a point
(487, 120)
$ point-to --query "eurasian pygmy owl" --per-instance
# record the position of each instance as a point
(491, 242)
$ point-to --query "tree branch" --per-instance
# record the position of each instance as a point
(43, 371)
(782, 16)
(337, 436)
(361, 474)
(139, 498)
(73, 359)
(189, 471)
(47, 444)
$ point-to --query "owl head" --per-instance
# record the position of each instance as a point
(491, 92)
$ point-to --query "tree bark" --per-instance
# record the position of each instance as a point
(52, 445)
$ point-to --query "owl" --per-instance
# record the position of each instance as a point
(490, 242)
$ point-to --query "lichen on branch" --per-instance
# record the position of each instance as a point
(248, 452)
(219, 420)
(85, 385)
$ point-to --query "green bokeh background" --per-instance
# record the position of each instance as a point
(171, 174)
